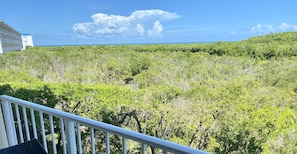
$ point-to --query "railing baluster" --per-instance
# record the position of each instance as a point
(43, 131)
(19, 123)
(63, 136)
(12, 119)
(33, 123)
(124, 145)
(107, 143)
(92, 141)
(70, 134)
(9, 122)
(79, 138)
(53, 134)
(26, 123)
(3, 139)
(143, 148)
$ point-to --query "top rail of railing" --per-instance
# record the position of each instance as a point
(142, 138)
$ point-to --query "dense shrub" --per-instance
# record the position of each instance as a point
(224, 97)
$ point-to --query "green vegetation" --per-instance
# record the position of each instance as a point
(224, 97)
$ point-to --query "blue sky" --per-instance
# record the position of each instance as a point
(70, 22)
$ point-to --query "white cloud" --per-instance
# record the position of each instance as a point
(287, 27)
(160, 14)
(156, 30)
(82, 29)
(139, 29)
(262, 29)
(117, 25)
(257, 28)
(283, 27)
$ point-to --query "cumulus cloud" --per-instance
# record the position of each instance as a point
(257, 28)
(261, 29)
(139, 23)
(287, 27)
(82, 29)
(156, 30)
(270, 28)
(139, 29)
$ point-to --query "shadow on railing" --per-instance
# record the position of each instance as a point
(69, 133)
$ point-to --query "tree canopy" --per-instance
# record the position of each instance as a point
(222, 97)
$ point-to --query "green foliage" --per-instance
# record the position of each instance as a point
(224, 97)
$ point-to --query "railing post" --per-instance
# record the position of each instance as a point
(3, 138)
(9, 123)
(70, 135)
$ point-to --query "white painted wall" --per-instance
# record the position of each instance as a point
(11, 40)
(27, 41)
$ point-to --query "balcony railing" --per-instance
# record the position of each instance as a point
(21, 121)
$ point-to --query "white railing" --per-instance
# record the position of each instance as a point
(19, 128)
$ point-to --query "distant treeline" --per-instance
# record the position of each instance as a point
(262, 47)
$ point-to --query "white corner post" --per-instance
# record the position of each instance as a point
(9, 123)
(70, 136)
(3, 136)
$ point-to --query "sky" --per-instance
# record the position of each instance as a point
(84, 22)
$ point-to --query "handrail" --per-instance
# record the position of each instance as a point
(142, 138)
